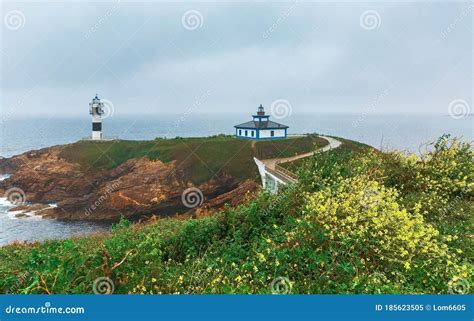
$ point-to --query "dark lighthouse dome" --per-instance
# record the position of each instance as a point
(260, 111)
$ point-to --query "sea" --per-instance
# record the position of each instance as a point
(410, 132)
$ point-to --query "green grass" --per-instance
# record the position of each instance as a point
(243, 249)
(288, 147)
(198, 159)
(348, 146)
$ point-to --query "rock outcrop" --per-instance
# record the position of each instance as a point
(136, 189)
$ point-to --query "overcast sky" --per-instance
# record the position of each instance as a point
(230, 57)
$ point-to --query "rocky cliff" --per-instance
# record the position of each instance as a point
(137, 188)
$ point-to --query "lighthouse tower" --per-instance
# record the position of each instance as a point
(96, 109)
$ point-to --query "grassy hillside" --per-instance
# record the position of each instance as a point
(365, 222)
(200, 158)
(346, 146)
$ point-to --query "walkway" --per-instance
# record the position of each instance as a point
(332, 143)
(273, 174)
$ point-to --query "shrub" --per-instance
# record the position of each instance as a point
(365, 218)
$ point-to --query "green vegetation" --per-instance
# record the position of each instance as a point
(356, 222)
(347, 146)
(198, 159)
(288, 147)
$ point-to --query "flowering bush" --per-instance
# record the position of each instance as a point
(366, 219)
(358, 221)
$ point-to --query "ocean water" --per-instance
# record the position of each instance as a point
(407, 132)
(401, 131)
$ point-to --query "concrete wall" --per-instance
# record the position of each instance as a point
(269, 181)
(266, 133)
(96, 135)
(249, 133)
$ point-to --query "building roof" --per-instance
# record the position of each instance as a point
(261, 125)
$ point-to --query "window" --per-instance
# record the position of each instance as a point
(272, 133)
(253, 133)
(240, 132)
(246, 133)
(96, 127)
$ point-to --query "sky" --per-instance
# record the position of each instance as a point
(229, 57)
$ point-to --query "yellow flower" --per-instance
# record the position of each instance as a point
(261, 257)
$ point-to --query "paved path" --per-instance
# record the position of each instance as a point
(332, 143)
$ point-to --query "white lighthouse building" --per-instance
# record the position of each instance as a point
(261, 127)
(96, 109)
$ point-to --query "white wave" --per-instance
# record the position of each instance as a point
(6, 205)
(4, 177)
(13, 215)
(4, 202)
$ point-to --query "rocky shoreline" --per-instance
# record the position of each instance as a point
(136, 189)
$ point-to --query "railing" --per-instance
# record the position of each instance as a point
(286, 174)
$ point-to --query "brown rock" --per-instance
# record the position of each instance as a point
(136, 189)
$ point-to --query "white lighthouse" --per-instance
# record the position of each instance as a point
(96, 109)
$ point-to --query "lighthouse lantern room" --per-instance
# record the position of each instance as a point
(96, 109)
